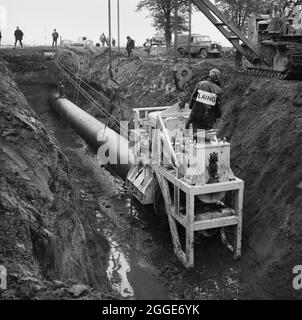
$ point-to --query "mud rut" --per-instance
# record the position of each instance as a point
(141, 263)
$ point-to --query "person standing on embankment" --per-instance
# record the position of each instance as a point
(130, 47)
(55, 37)
(18, 37)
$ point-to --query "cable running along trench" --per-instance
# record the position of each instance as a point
(113, 120)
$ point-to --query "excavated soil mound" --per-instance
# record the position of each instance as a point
(46, 231)
(263, 119)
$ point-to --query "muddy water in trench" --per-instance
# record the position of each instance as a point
(128, 270)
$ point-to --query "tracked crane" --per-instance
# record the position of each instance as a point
(273, 47)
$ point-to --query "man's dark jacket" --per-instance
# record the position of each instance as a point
(18, 35)
(130, 45)
(203, 116)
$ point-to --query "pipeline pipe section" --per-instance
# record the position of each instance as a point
(97, 135)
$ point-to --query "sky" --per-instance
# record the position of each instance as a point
(74, 19)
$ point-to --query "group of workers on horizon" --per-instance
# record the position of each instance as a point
(18, 34)
(106, 41)
(203, 114)
(55, 36)
(129, 47)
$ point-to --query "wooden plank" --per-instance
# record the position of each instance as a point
(176, 196)
(238, 229)
(190, 204)
(172, 223)
(164, 189)
(205, 189)
(227, 212)
(151, 109)
(176, 115)
(175, 239)
(217, 187)
(179, 183)
(179, 218)
(168, 141)
(176, 200)
(216, 223)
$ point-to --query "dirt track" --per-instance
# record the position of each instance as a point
(261, 118)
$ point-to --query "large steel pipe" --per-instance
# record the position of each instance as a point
(95, 133)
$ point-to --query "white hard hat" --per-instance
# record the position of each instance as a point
(215, 74)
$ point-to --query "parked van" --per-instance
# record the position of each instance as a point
(201, 46)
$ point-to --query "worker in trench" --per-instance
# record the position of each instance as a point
(61, 89)
(205, 103)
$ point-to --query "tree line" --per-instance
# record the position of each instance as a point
(165, 18)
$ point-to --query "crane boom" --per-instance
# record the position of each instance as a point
(229, 30)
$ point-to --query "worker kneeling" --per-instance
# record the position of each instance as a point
(205, 103)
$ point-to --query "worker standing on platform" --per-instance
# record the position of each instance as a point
(55, 37)
(18, 37)
(205, 103)
(130, 47)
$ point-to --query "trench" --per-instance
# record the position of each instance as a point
(140, 263)
(127, 268)
(133, 239)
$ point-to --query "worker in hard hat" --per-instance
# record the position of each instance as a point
(205, 102)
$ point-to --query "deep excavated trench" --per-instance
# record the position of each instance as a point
(262, 118)
(127, 269)
(141, 263)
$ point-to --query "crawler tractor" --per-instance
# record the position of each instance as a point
(273, 47)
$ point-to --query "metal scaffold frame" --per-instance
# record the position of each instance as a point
(188, 221)
(178, 193)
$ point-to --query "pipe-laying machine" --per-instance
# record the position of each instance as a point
(189, 181)
(185, 176)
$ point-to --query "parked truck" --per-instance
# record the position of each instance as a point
(200, 46)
